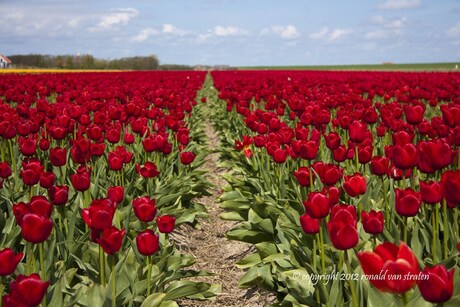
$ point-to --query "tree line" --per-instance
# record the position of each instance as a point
(88, 61)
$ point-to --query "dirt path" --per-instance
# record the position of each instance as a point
(212, 250)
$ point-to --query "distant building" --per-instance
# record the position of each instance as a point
(5, 62)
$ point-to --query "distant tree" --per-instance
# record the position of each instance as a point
(86, 61)
(175, 67)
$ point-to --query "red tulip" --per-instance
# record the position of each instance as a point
(115, 161)
(303, 176)
(100, 214)
(391, 263)
(355, 185)
(149, 170)
(116, 194)
(144, 209)
(333, 140)
(128, 138)
(113, 135)
(451, 186)
(280, 156)
(373, 222)
(44, 144)
(81, 181)
(38, 205)
(31, 171)
(5, 170)
(187, 157)
(97, 149)
(342, 227)
(364, 153)
(28, 147)
(309, 225)
(26, 291)
(341, 153)
(81, 151)
(402, 138)
(328, 173)
(147, 242)
(405, 156)
(357, 131)
(308, 150)
(407, 202)
(166, 223)
(431, 192)
(111, 239)
(317, 205)
(36, 228)
(414, 114)
(58, 195)
(9, 261)
(379, 165)
(47, 180)
(438, 286)
(58, 156)
(433, 156)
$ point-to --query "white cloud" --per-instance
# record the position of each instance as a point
(386, 27)
(144, 34)
(395, 23)
(286, 32)
(228, 31)
(221, 31)
(334, 35)
(454, 31)
(398, 23)
(170, 29)
(320, 34)
(117, 17)
(378, 20)
(399, 4)
(377, 34)
(338, 34)
(74, 22)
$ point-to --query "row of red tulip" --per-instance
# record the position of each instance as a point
(59, 133)
(347, 129)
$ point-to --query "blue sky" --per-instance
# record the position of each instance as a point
(237, 32)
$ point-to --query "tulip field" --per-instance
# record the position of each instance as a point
(346, 184)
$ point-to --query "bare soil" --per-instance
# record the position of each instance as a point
(212, 250)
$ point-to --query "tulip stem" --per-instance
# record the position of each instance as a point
(351, 284)
(1, 288)
(13, 162)
(314, 252)
(42, 262)
(357, 158)
(444, 237)
(28, 252)
(61, 175)
(149, 274)
(321, 243)
(102, 265)
(340, 260)
(385, 203)
(60, 221)
(434, 220)
(404, 299)
(42, 268)
(455, 224)
(405, 229)
(114, 284)
(458, 157)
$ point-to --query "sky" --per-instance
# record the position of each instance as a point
(237, 32)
